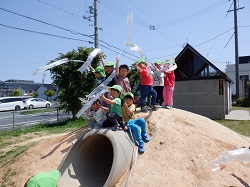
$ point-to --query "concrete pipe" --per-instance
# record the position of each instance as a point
(99, 158)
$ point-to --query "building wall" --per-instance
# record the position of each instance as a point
(244, 69)
(202, 97)
(41, 94)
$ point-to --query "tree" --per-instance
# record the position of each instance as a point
(49, 93)
(134, 80)
(72, 83)
(35, 94)
(15, 92)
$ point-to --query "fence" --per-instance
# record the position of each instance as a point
(19, 119)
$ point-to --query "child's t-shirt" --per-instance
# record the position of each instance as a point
(146, 77)
(169, 79)
(100, 80)
(116, 108)
(126, 116)
(112, 82)
(99, 116)
(124, 83)
(158, 78)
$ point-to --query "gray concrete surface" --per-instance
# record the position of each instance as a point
(238, 115)
(98, 159)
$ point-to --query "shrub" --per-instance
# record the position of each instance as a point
(243, 102)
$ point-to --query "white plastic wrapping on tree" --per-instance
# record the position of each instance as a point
(51, 65)
(241, 155)
(89, 59)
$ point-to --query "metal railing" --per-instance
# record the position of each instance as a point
(12, 120)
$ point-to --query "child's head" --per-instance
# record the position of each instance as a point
(129, 98)
(115, 91)
(142, 63)
(158, 64)
(109, 67)
(123, 70)
(100, 72)
(95, 105)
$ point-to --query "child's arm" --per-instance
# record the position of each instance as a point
(127, 109)
(153, 64)
(117, 66)
(137, 67)
(102, 60)
(109, 101)
(92, 70)
(102, 107)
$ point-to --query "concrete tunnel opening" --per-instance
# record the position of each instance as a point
(95, 160)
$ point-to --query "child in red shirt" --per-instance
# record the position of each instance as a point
(146, 84)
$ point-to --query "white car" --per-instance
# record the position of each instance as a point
(36, 103)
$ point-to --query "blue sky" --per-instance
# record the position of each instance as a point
(205, 25)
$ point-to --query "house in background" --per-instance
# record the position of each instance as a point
(44, 87)
(244, 73)
(26, 87)
(200, 86)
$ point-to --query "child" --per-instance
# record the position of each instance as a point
(146, 84)
(109, 68)
(121, 76)
(158, 81)
(114, 117)
(137, 126)
(99, 73)
(169, 82)
(97, 116)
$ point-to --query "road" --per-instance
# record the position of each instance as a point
(7, 120)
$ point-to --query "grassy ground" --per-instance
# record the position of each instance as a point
(11, 138)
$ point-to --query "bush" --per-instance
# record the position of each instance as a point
(243, 102)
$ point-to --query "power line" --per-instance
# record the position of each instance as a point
(73, 32)
(60, 9)
(192, 16)
(44, 33)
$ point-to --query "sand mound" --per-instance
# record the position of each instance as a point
(181, 146)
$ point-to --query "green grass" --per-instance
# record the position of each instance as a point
(240, 126)
(241, 108)
(32, 111)
(9, 154)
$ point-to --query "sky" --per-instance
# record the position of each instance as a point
(160, 28)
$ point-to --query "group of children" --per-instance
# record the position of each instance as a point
(116, 108)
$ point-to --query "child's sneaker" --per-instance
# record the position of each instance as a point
(153, 108)
(144, 109)
(116, 127)
(141, 148)
(145, 138)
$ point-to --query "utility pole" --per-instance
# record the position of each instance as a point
(93, 11)
(236, 48)
(95, 24)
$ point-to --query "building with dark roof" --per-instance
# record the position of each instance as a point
(200, 86)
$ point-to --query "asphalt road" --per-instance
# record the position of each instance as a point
(9, 122)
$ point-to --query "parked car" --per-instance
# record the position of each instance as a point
(36, 103)
(12, 103)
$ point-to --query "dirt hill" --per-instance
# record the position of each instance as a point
(181, 146)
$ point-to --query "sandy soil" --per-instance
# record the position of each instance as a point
(182, 145)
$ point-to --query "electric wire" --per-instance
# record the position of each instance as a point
(219, 29)
(73, 32)
(192, 16)
(65, 11)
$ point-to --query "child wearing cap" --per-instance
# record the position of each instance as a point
(97, 116)
(99, 73)
(137, 126)
(108, 68)
(158, 81)
(168, 68)
(121, 76)
(146, 84)
(114, 116)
